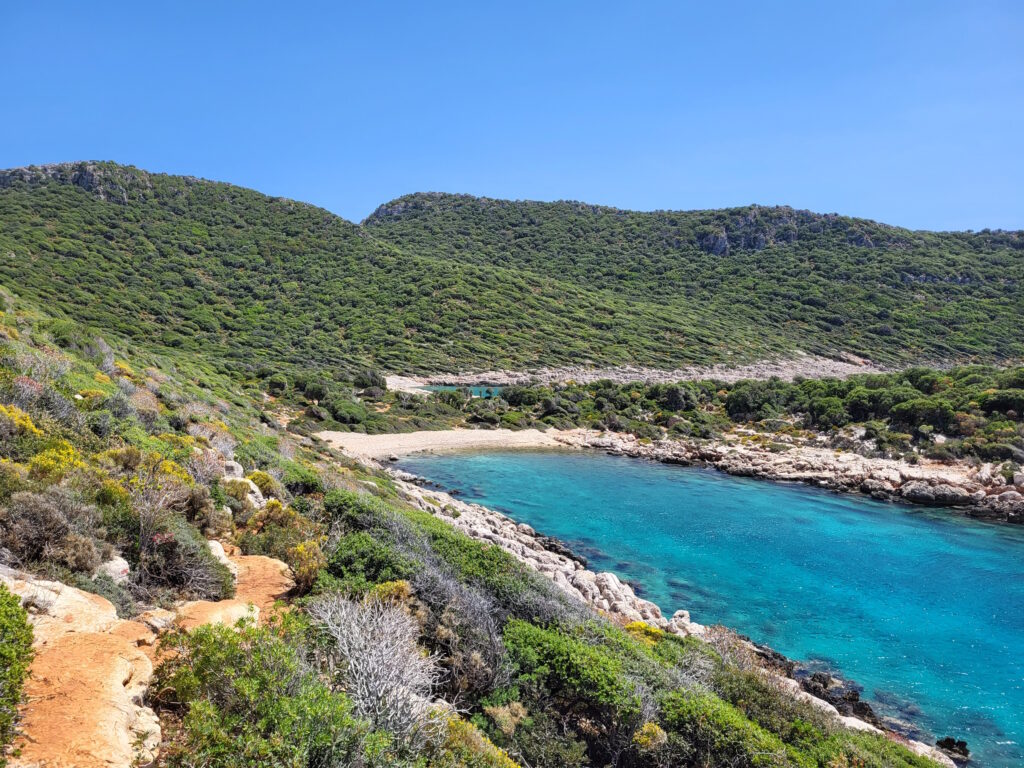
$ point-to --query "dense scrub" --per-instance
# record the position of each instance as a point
(447, 283)
(971, 412)
(15, 655)
(746, 277)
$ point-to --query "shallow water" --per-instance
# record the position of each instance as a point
(924, 608)
(473, 391)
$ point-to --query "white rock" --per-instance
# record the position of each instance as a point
(233, 469)
(217, 550)
(116, 568)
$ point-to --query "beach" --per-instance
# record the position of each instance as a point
(402, 444)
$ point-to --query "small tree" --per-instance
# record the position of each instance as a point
(370, 378)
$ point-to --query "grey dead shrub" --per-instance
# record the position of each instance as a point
(373, 656)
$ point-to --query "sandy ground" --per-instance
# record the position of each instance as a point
(406, 384)
(799, 364)
(383, 446)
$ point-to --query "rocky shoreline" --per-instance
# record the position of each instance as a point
(612, 597)
(978, 491)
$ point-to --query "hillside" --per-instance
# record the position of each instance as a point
(819, 282)
(437, 283)
(421, 638)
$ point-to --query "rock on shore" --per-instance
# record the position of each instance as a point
(603, 591)
(977, 491)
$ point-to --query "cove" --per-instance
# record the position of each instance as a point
(477, 391)
(922, 607)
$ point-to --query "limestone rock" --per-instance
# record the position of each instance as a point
(86, 683)
(116, 568)
(233, 470)
(217, 550)
(921, 492)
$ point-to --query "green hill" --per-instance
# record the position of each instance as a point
(443, 283)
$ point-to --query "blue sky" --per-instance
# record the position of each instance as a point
(910, 113)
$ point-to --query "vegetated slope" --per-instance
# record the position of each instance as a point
(445, 283)
(238, 277)
(779, 277)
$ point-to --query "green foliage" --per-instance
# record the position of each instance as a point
(15, 655)
(360, 561)
(249, 699)
(440, 282)
(301, 479)
(583, 675)
(704, 730)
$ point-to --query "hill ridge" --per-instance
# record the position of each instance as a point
(446, 283)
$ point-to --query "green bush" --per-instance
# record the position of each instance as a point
(704, 730)
(581, 675)
(360, 561)
(15, 656)
(300, 479)
(248, 698)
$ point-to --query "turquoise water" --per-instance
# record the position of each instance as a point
(474, 391)
(923, 608)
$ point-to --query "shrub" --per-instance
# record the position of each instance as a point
(248, 698)
(277, 384)
(582, 675)
(372, 647)
(360, 561)
(301, 479)
(468, 747)
(268, 486)
(345, 410)
(369, 378)
(15, 656)
(51, 527)
(15, 422)
(54, 463)
(708, 731)
(174, 556)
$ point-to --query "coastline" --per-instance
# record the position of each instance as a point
(786, 368)
(978, 491)
(384, 446)
(616, 600)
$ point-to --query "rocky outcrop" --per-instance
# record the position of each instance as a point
(977, 491)
(86, 683)
(85, 693)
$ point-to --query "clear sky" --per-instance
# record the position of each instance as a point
(906, 112)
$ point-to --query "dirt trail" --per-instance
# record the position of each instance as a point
(88, 680)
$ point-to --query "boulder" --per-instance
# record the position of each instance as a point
(232, 469)
(217, 550)
(117, 569)
(920, 492)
